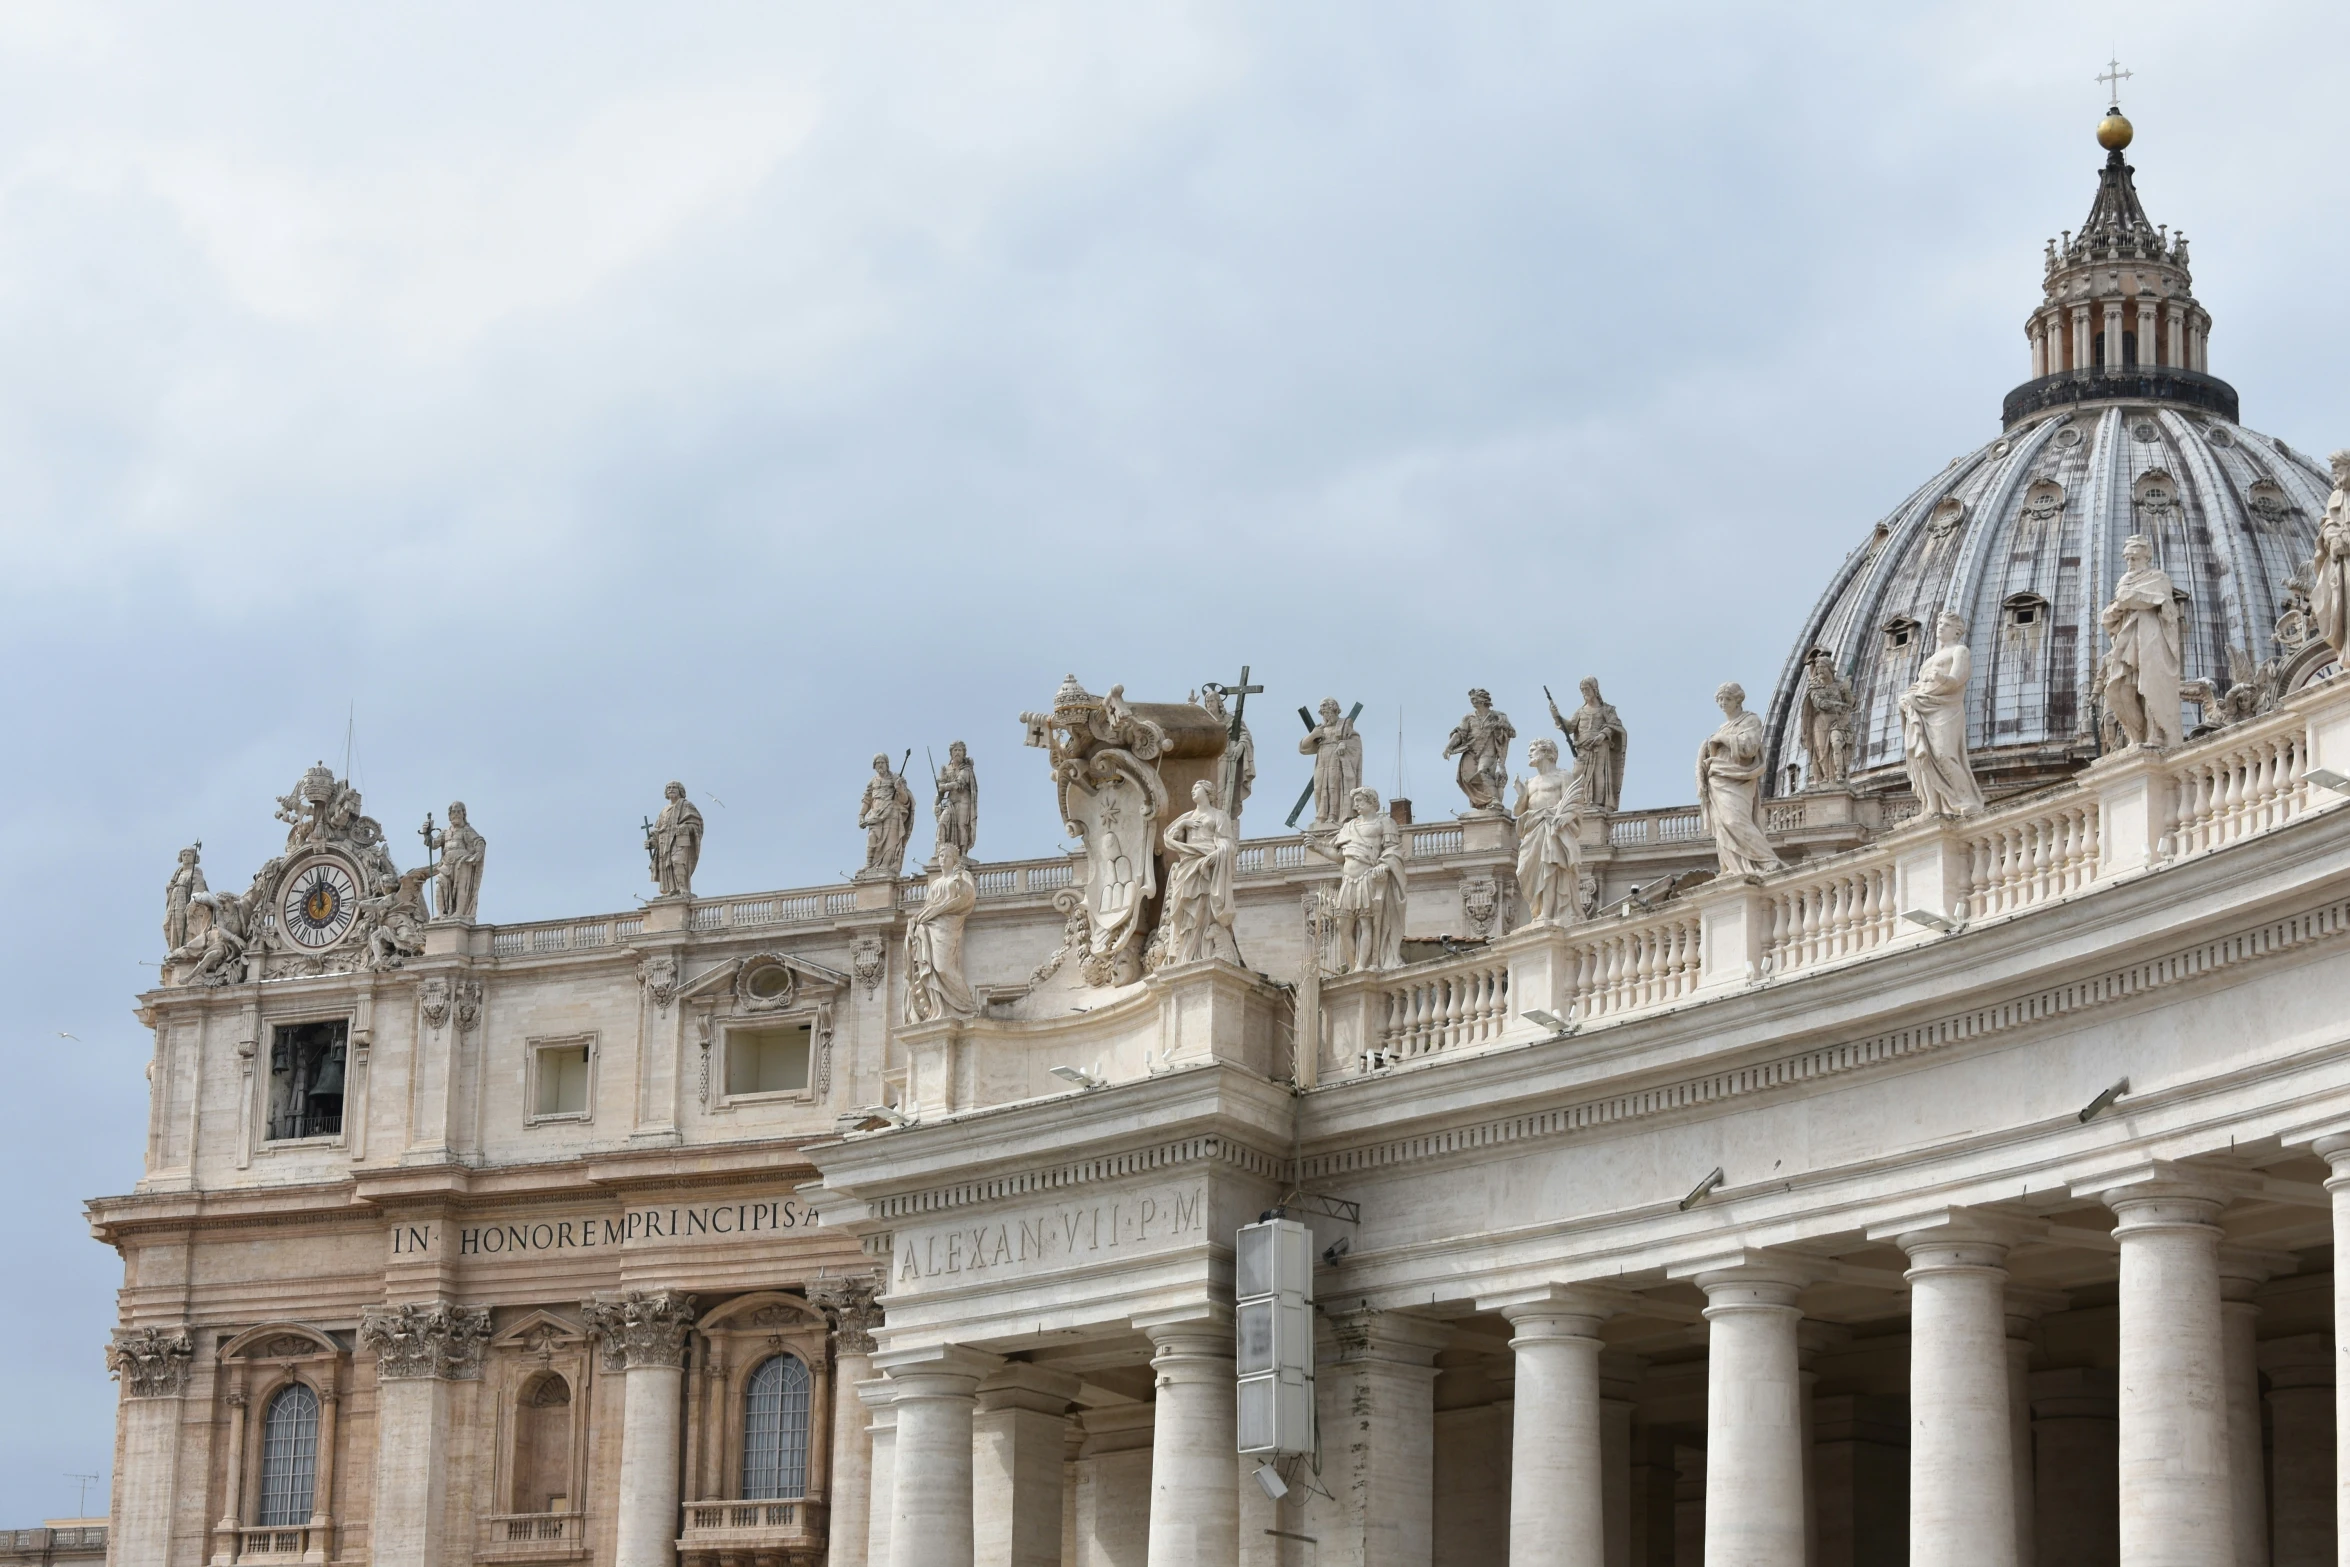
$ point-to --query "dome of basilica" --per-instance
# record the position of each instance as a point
(2121, 431)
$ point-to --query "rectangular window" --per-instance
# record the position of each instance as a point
(306, 1063)
(563, 1080)
(770, 1060)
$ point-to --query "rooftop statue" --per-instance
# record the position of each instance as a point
(1203, 858)
(1237, 777)
(1552, 806)
(2140, 674)
(1367, 915)
(1828, 717)
(1596, 739)
(886, 811)
(2329, 594)
(1729, 787)
(1337, 749)
(935, 986)
(954, 804)
(673, 841)
(457, 880)
(187, 879)
(1933, 725)
(1482, 742)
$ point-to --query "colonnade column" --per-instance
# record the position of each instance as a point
(1195, 1503)
(935, 1393)
(1558, 1503)
(2335, 1150)
(1375, 1396)
(420, 1348)
(2301, 1413)
(643, 1334)
(881, 1436)
(2024, 1308)
(2239, 1276)
(1961, 1437)
(1753, 1416)
(2176, 1503)
(1021, 1429)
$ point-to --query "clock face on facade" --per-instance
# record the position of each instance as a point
(320, 902)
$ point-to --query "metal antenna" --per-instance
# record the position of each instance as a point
(81, 1501)
(350, 733)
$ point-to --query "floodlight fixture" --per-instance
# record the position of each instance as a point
(2090, 1111)
(1335, 1250)
(1698, 1193)
(1929, 919)
(861, 1118)
(1270, 1482)
(1080, 1076)
(1378, 1060)
(2328, 778)
(1550, 1020)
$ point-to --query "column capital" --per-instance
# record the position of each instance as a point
(151, 1362)
(854, 1311)
(1557, 1310)
(640, 1327)
(2301, 1360)
(1019, 1385)
(941, 1371)
(1397, 1337)
(425, 1339)
(2158, 1195)
(879, 1397)
(1750, 1279)
(1203, 1332)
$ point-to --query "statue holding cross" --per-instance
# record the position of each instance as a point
(1337, 750)
(1237, 774)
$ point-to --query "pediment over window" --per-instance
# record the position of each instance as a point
(276, 1341)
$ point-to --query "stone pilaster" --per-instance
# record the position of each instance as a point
(1375, 1397)
(152, 1364)
(419, 1348)
(849, 1489)
(2335, 1150)
(643, 1335)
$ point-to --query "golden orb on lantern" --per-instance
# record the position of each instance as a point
(2113, 132)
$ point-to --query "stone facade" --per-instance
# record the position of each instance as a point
(1955, 1188)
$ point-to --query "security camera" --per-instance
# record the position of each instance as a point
(1335, 1250)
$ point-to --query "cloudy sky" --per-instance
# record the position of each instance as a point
(549, 401)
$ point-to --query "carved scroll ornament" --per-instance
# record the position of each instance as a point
(151, 1362)
(435, 1340)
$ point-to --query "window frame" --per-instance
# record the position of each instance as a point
(271, 1403)
(265, 1078)
(722, 1067)
(806, 1391)
(534, 1052)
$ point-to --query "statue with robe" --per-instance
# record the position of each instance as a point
(1482, 742)
(1236, 774)
(1337, 749)
(1203, 862)
(187, 879)
(1596, 739)
(673, 841)
(1933, 725)
(886, 811)
(1828, 718)
(1367, 915)
(2329, 594)
(1551, 808)
(1729, 788)
(2144, 649)
(935, 987)
(457, 880)
(955, 805)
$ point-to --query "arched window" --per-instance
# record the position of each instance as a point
(775, 1430)
(289, 1457)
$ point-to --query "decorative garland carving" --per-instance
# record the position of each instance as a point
(435, 1340)
(151, 1362)
(640, 1327)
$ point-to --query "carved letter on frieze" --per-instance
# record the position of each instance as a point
(640, 1327)
(854, 1312)
(151, 1362)
(434, 1340)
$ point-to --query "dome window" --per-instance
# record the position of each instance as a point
(2157, 495)
(2025, 611)
(2268, 507)
(1946, 516)
(2043, 503)
(1900, 632)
